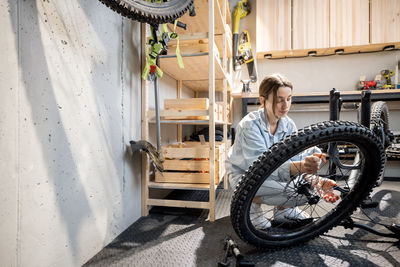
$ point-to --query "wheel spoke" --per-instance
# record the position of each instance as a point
(298, 207)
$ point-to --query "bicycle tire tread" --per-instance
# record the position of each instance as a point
(266, 163)
(150, 13)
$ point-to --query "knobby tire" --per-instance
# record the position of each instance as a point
(359, 136)
(147, 12)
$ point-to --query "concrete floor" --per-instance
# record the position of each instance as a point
(185, 237)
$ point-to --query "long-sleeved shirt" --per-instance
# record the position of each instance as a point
(253, 137)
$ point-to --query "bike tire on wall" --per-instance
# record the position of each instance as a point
(147, 12)
(330, 131)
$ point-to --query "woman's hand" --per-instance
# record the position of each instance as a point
(311, 163)
(324, 188)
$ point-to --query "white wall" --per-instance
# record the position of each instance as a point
(69, 104)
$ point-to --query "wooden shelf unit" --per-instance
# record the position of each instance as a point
(194, 64)
(200, 22)
(205, 51)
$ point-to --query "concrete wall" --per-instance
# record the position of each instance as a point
(69, 104)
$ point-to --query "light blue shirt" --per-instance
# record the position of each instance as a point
(253, 137)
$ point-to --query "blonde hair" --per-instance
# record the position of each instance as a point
(271, 84)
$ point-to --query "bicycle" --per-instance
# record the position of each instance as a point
(151, 12)
(355, 160)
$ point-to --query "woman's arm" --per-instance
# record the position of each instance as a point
(309, 165)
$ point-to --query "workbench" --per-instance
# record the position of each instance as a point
(252, 98)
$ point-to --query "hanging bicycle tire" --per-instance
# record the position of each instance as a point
(148, 12)
(267, 190)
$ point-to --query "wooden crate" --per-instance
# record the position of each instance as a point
(186, 104)
(190, 109)
(188, 162)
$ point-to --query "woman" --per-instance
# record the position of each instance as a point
(258, 131)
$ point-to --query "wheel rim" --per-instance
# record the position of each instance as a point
(298, 193)
(348, 138)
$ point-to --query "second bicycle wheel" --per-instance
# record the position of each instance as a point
(277, 205)
(380, 126)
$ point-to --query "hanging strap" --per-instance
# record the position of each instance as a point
(151, 67)
(178, 51)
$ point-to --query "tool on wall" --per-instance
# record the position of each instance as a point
(245, 55)
(242, 9)
(242, 52)
(367, 85)
(381, 81)
(246, 86)
(387, 74)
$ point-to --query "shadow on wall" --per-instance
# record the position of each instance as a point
(68, 191)
(61, 122)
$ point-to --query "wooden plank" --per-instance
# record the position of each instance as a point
(181, 115)
(327, 51)
(227, 10)
(179, 203)
(183, 177)
(193, 165)
(178, 113)
(153, 184)
(145, 130)
(310, 24)
(196, 68)
(199, 23)
(219, 39)
(273, 25)
(190, 46)
(186, 104)
(202, 85)
(179, 96)
(200, 45)
(189, 152)
(186, 165)
(385, 21)
(212, 75)
(349, 22)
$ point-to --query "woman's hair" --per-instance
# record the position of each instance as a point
(271, 84)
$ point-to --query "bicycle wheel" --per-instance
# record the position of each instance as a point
(268, 186)
(380, 126)
(147, 12)
(380, 121)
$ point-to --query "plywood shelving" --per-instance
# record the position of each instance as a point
(205, 48)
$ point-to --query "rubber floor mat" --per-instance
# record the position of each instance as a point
(184, 237)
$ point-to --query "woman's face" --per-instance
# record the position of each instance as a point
(283, 102)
